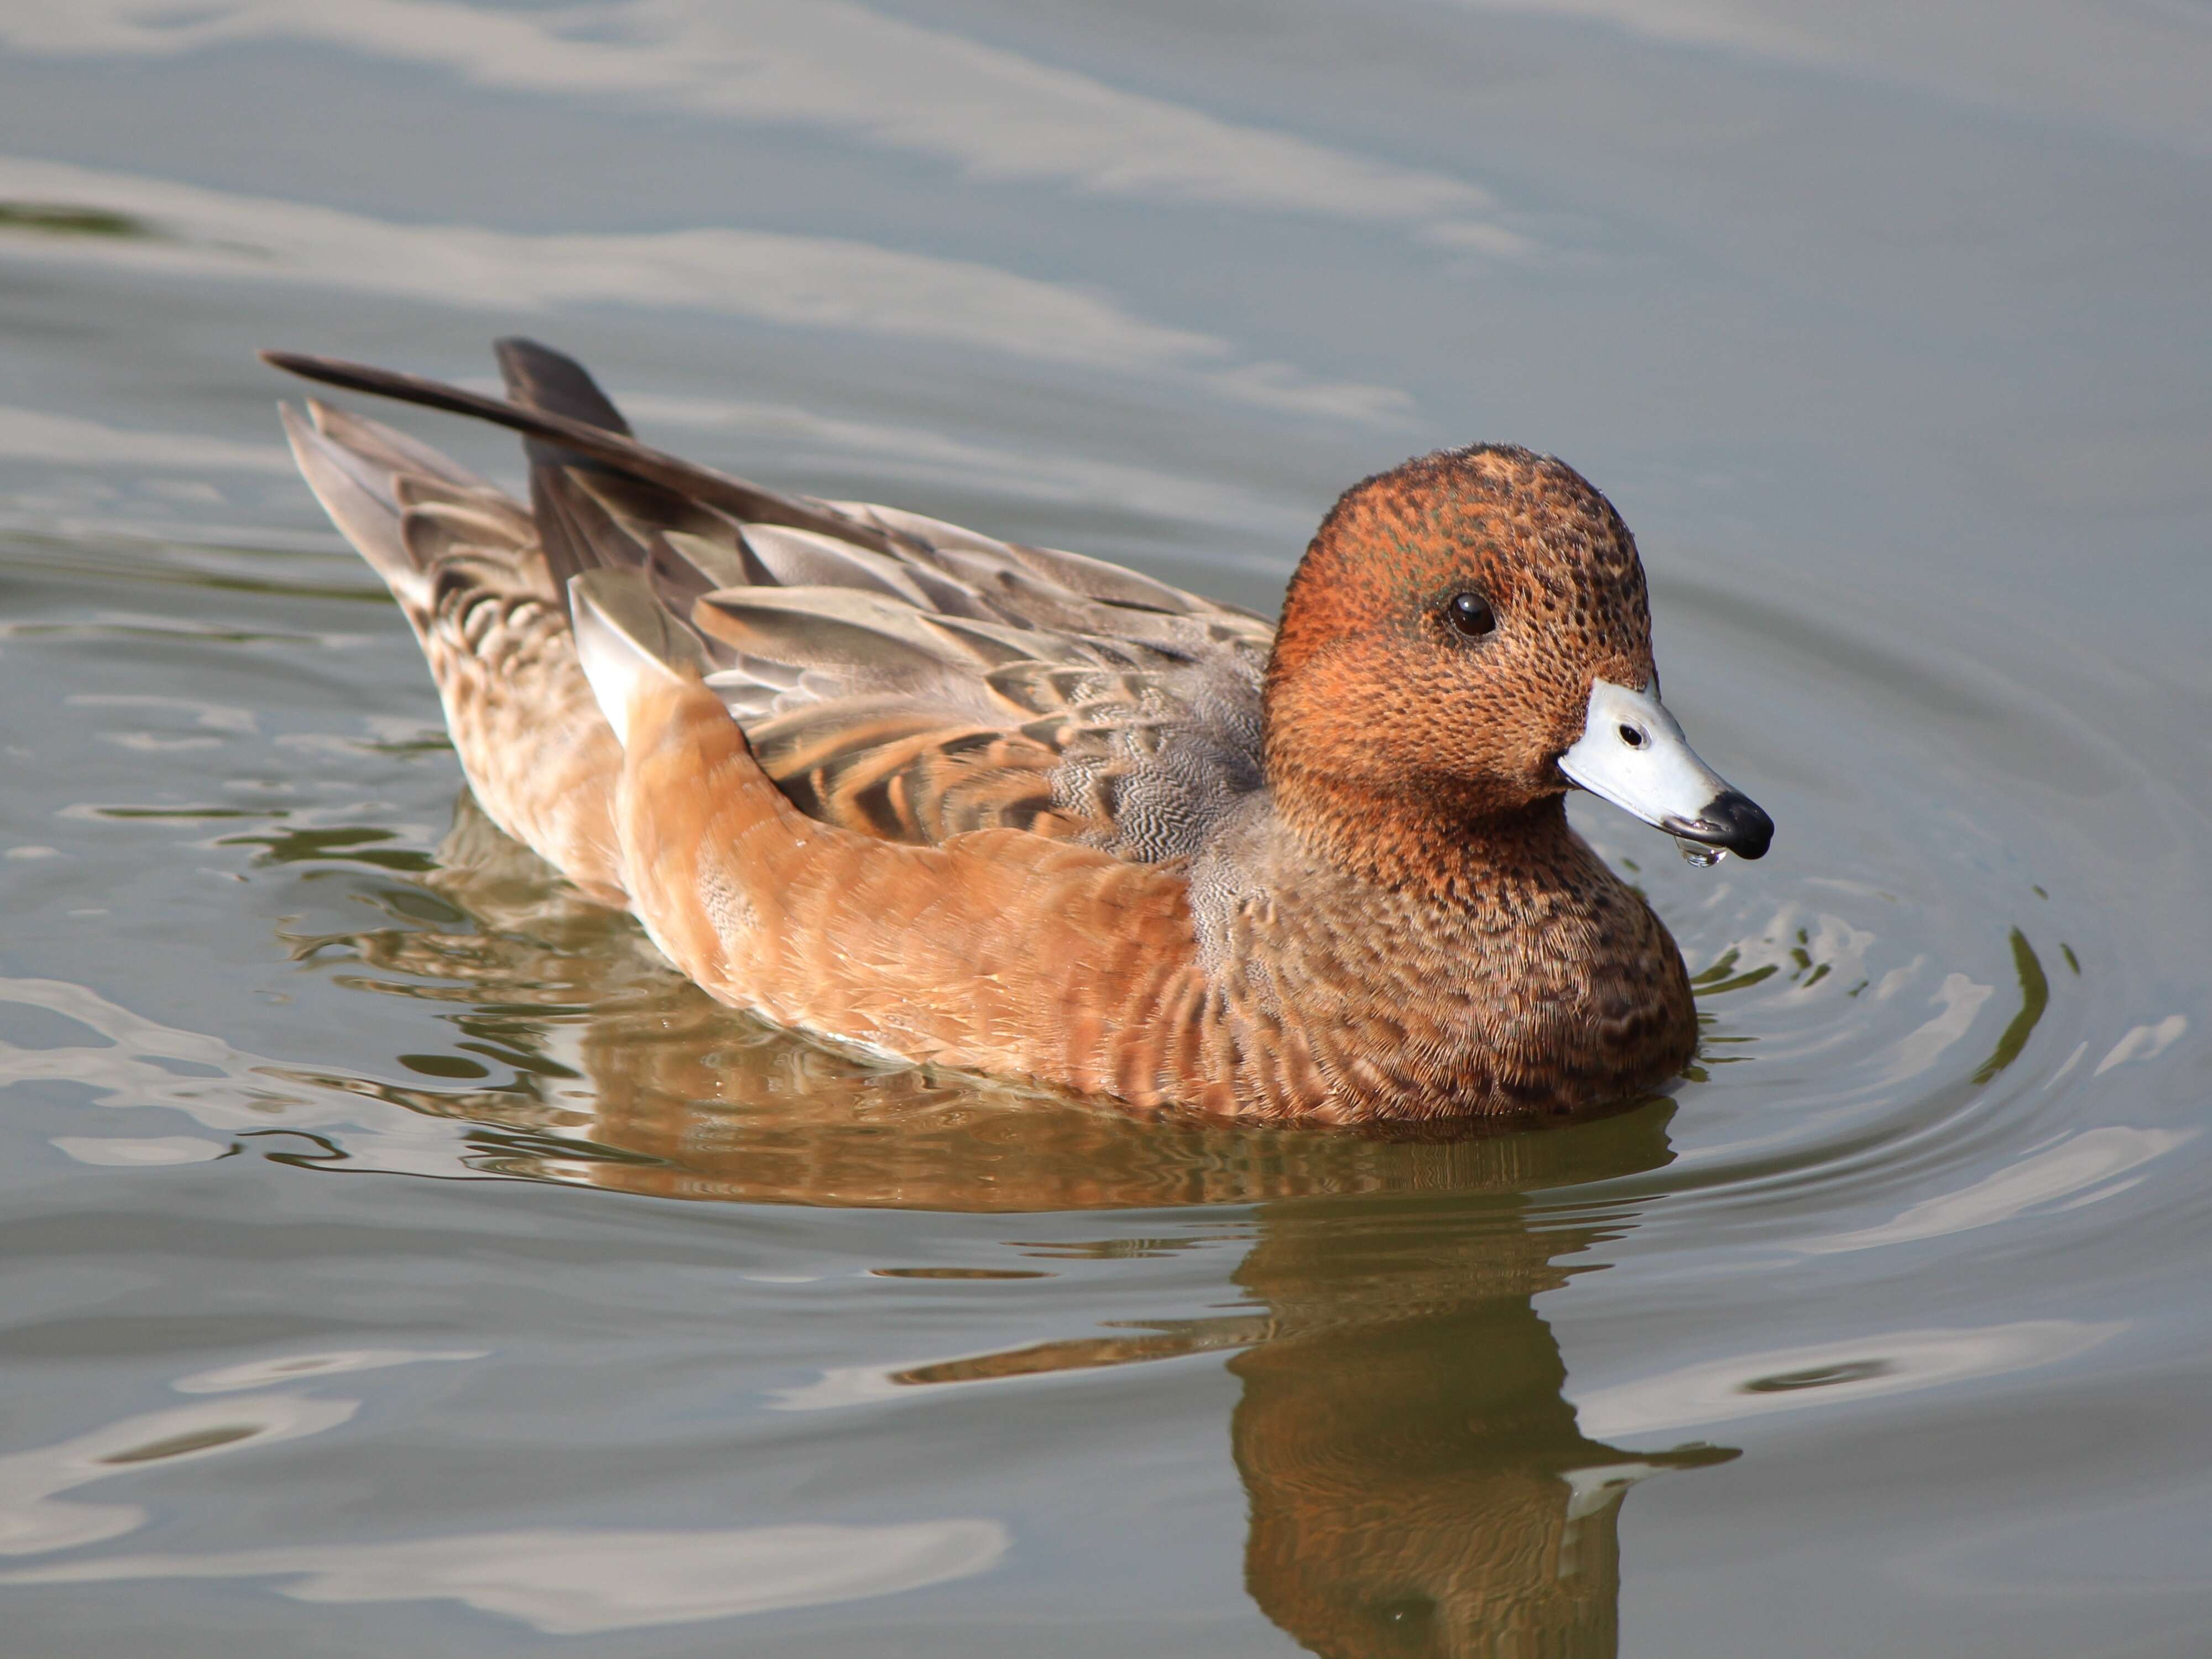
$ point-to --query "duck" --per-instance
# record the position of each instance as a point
(970, 804)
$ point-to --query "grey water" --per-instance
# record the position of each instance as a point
(398, 1257)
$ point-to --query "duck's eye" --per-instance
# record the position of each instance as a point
(1470, 614)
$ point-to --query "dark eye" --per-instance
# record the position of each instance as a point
(1471, 615)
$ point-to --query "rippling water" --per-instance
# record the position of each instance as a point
(401, 1257)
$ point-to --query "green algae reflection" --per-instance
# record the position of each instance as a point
(67, 219)
(2034, 997)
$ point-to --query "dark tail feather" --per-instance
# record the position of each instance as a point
(538, 377)
(577, 533)
(587, 440)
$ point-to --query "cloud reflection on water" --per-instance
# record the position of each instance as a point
(816, 282)
(563, 1581)
(35, 1519)
(830, 64)
(2077, 1167)
(578, 1580)
(2138, 68)
(34, 435)
(1730, 1390)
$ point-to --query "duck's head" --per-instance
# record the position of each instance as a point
(1467, 638)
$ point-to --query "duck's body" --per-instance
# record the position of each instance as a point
(1002, 808)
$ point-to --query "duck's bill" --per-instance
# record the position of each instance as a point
(1632, 753)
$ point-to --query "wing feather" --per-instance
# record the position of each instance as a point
(895, 674)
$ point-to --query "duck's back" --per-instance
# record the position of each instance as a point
(922, 681)
(894, 674)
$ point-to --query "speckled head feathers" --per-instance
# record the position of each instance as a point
(1372, 692)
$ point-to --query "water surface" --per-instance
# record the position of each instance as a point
(402, 1259)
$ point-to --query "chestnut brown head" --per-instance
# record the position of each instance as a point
(1448, 641)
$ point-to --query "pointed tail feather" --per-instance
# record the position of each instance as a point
(538, 377)
(597, 443)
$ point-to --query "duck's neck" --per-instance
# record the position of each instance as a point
(1406, 960)
(1442, 847)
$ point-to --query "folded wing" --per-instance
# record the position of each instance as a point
(894, 674)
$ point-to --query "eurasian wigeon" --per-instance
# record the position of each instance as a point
(993, 806)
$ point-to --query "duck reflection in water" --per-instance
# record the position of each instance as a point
(1416, 1481)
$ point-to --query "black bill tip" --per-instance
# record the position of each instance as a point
(1730, 819)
